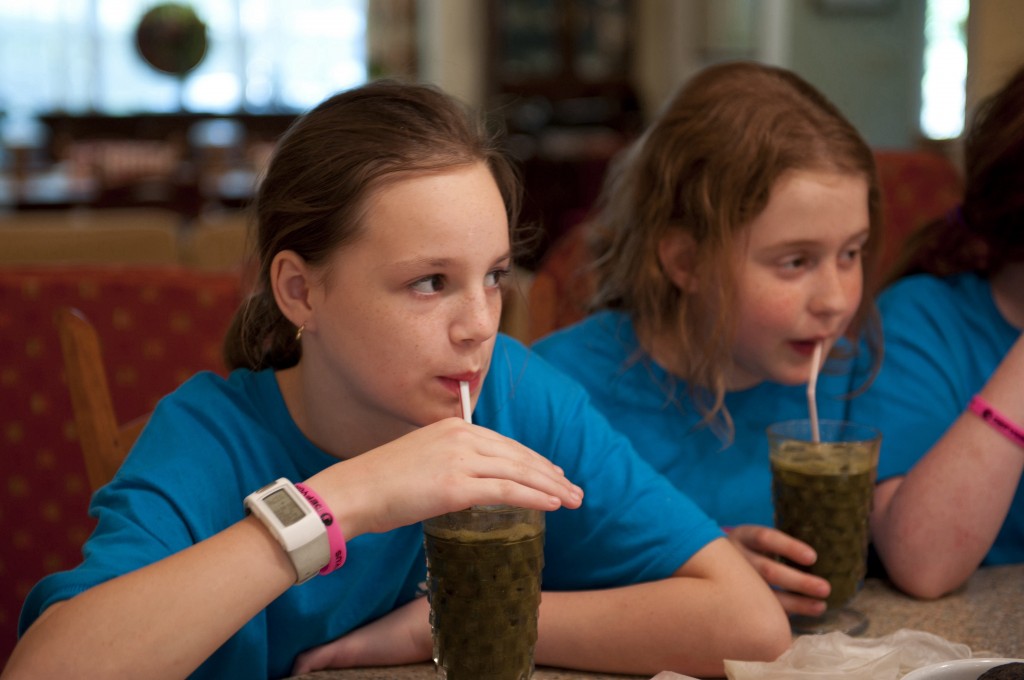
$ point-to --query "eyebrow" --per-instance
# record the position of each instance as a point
(418, 262)
(439, 262)
(807, 243)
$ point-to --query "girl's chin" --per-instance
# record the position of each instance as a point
(791, 381)
(788, 378)
(795, 377)
(435, 416)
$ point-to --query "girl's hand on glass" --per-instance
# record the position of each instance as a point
(798, 591)
(446, 466)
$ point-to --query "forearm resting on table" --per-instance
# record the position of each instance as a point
(716, 607)
(933, 527)
(162, 620)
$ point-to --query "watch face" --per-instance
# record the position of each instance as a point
(284, 507)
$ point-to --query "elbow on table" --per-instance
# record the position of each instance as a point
(756, 625)
(919, 572)
(927, 578)
(758, 635)
(750, 635)
(926, 584)
(769, 635)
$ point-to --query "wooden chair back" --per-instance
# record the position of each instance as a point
(104, 441)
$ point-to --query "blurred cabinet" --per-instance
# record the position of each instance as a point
(559, 82)
(185, 162)
(560, 47)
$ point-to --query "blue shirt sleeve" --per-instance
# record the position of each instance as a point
(634, 525)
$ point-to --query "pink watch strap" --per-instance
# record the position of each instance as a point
(335, 538)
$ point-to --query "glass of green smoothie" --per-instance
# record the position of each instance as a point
(822, 493)
(483, 578)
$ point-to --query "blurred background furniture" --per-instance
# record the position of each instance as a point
(159, 324)
(214, 240)
(140, 235)
(917, 186)
(104, 441)
(184, 162)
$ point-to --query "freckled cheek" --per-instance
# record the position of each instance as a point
(769, 312)
(855, 291)
(496, 313)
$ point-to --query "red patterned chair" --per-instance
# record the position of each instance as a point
(917, 186)
(158, 325)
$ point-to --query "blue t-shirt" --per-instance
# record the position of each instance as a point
(943, 339)
(213, 441)
(732, 483)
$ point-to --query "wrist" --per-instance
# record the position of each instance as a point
(266, 550)
(335, 536)
(294, 524)
(352, 506)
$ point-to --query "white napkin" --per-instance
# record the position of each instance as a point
(839, 656)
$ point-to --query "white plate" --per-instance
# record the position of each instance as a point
(961, 669)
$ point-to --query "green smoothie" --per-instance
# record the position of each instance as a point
(822, 495)
(484, 589)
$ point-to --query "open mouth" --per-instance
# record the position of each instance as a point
(804, 347)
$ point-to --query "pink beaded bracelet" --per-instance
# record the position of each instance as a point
(334, 535)
(999, 422)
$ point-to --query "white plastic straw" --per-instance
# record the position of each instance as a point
(467, 406)
(812, 403)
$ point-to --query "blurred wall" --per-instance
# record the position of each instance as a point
(995, 46)
(868, 62)
(453, 45)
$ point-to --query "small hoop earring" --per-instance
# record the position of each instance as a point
(298, 333)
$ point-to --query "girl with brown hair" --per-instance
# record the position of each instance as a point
(729, 242)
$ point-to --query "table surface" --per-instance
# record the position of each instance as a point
(986, 614)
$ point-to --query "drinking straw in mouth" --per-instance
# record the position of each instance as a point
(467, 407)
(812, 404)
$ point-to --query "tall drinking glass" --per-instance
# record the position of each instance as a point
(483, 579)
(822, 493)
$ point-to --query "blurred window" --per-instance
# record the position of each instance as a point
(943, 88)
(262, 56)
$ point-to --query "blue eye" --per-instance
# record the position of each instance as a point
(429, 284)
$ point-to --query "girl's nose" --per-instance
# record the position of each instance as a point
(836, 290)
(478, 316)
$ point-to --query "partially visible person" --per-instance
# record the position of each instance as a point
(729, 241)
(384, 232)
(950, 394)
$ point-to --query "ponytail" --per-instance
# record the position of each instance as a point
(260, 336)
